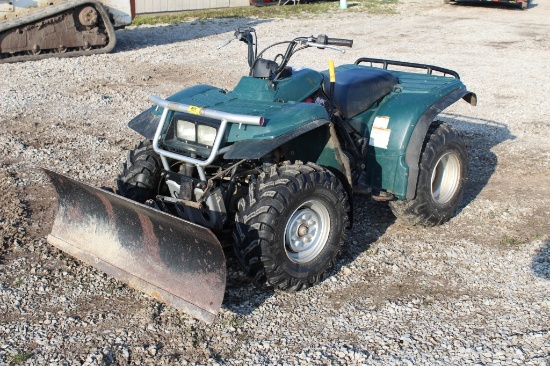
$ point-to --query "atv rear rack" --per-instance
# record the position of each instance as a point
(224, 117)
(429, 68)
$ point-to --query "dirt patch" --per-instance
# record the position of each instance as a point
(415, 287)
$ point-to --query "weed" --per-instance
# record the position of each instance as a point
(536, 236)
(19, 282)
(111, 288)
(19, 358)
(235, 321)
(512, 241)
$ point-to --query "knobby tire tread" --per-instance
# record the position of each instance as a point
(255, 233)
(140, 174)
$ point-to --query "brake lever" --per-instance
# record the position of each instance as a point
(323, 46)
(226, 43)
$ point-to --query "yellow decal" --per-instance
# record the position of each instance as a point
(194, 110)
(331, 71)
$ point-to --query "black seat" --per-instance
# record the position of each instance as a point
(357, 89)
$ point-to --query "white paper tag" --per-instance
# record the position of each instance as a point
(381, 121)
(380, 133)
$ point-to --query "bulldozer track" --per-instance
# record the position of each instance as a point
(48, 15)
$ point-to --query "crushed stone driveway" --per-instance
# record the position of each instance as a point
(475, 290)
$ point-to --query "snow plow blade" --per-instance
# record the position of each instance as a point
(170, 259)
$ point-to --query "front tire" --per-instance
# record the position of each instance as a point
(140, 176)
(441, 179)
(291, 227)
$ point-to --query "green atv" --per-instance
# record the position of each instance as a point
(275, 163)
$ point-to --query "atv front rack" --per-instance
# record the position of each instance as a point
(429, 68)
(224, 117)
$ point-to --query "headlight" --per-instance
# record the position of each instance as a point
(206, 135)
(185, 130)
(193, 134)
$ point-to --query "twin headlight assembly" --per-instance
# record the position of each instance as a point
(193, 132)
(188, 133)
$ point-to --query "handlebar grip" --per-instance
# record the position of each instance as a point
(339, 42)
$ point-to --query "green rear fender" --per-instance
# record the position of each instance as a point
(396, 129)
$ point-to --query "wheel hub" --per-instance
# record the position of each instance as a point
(307, 231)
(446, 177)
(88, 16)
(303, 230)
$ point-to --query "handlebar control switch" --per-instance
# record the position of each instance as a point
(264, 69)
(322, 39)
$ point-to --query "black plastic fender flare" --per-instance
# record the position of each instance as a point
(414, 147)
(145, 123)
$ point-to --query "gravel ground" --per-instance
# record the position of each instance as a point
(473, 291)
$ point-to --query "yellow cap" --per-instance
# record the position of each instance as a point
(331, 71)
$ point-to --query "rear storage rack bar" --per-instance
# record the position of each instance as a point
(429, 68)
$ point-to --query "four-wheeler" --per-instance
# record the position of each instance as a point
(274, 164)
(37, 29)
(522, 4)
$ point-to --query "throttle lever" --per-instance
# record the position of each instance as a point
(323, 46)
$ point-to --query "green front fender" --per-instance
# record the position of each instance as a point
(279, 117)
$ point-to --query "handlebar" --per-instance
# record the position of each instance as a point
(272, 69)
(324, 40)
(340, 42)
(322, 46)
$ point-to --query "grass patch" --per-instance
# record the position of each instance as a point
(19, 358)
(274, 11)
(514, 242)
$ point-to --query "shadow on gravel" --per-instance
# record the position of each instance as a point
(541, 262)
(481, 136)
(142, 37)
(241, 296)
(371, 220)
(483, 4)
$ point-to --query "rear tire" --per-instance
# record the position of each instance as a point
(441, 180)
(291, 227)
(140, 176)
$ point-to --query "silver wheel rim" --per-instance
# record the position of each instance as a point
(307, 231)
(445, 178)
